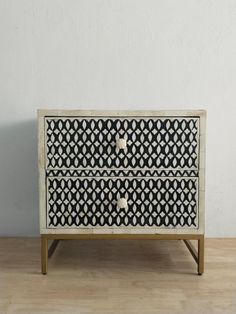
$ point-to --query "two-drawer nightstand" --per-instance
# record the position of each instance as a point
(122, 174)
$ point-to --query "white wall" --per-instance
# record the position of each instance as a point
(116, 54)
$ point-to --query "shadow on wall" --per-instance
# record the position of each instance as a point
(19, 179)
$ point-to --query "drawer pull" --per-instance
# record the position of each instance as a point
(121, 143)
(122, 203)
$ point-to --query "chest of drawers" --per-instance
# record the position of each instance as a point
(126, 174)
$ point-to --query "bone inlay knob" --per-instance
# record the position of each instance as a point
(121, 143)
(122, 203)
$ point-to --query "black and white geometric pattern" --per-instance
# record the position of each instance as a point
(120, 173)
(92, 202)
(151, 142)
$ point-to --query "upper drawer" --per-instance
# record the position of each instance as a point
(76, 142)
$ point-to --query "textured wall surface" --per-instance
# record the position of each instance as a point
(115, 54)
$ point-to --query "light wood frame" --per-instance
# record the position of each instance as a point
(125, 233)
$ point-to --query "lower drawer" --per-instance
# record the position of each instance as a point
(93, 202)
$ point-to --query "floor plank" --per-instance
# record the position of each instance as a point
(117, 277)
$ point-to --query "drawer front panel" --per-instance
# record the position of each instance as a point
(94, 202)
(151, 143)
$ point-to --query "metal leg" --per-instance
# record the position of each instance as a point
(44, 254)
(192, 250)
(52, 247)
(201, 255)
(197, 255)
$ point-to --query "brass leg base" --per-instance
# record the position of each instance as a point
(197, 255)
(46, 253)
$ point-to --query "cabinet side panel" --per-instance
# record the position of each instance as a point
(202, 157)
(41, 169)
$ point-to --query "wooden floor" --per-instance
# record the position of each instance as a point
(117, 276)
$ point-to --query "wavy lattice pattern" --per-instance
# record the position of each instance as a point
(92, 202)
(151, 143)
